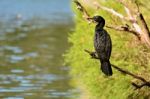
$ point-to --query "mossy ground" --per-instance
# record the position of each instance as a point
(127, 53)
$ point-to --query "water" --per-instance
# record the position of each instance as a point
(33, 37)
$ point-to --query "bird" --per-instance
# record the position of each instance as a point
(102, 44)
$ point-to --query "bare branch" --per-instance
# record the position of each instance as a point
(145, 82)
(110, 10)
(138, 8)
(143, 34)
(82, 9)
(128, 73)
(92, 54)
(128, 11)
(144, 23)
(125, 28)
(140, 86)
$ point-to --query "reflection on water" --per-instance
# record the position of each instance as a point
(31, 53)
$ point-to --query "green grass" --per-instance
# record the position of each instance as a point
(127, 53)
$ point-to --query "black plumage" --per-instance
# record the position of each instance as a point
(103, 45)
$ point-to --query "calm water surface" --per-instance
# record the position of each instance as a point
(33, 37)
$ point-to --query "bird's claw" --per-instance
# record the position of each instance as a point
(93, 54)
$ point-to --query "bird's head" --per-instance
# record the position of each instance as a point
(97, 19)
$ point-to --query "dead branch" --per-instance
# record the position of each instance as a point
(140, 86)
(125, 28)
(122, 28)
(128, 73)
(145, 82)
(142, 20)
(143, 32)
(92, 54)
(131, 17)
(82, 9)
(110, 10)
(144, 23)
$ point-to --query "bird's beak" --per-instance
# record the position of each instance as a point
(91, 19)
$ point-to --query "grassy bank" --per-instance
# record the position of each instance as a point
(127, 53)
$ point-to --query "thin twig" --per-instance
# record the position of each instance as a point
(142, 85)
(144, 24)
(82, 9)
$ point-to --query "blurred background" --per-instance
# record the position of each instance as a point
(33, 37)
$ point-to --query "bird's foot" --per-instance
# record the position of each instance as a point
(93, 54)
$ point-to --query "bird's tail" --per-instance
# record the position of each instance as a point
(106, 68)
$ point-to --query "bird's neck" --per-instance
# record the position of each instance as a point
(99, 26)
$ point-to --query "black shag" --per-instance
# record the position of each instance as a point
(103, 45)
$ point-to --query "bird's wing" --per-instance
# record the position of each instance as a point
(108, 46)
